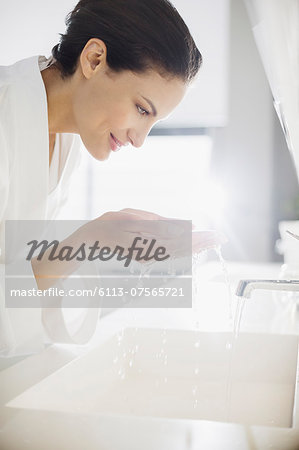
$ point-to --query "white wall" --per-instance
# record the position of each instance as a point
(30, 27)
(206, 104)
(243, 151)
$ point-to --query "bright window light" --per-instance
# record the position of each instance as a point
(169, 175)
(214, 200)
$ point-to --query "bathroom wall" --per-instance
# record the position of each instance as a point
(30, 27)
(250, 157)
(206, 103)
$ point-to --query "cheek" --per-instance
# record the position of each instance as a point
(118, 115)
(100, 112)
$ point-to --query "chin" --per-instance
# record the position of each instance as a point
(99, 154)
(98, 151)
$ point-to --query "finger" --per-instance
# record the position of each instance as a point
(201, 240)
(158, 229)
(184, 223)
(146, 223)
(127, 224)
(147, 215)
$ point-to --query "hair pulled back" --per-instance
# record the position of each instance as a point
(139, 34)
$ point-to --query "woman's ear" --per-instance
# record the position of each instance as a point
(93, 57)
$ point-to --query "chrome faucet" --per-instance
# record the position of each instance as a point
(245, 287)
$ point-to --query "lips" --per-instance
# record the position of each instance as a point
(115, 144)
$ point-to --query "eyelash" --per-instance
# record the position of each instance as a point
(142, 111)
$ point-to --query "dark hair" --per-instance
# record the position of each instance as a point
(139, 34)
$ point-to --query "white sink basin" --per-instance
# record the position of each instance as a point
(177, 374)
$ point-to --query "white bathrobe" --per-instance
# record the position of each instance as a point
(24, 192)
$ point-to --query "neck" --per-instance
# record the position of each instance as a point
(59, 99)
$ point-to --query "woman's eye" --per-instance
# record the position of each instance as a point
(142, 111)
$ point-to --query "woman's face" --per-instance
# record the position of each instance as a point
(114, 109)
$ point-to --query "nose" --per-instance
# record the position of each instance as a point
(138, 136)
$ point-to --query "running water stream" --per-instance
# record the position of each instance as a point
(234, 326)
(234, 320)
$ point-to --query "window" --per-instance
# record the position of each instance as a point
(169, 175)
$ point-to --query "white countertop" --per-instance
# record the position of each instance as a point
(29, 429)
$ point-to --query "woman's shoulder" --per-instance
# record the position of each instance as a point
(19, 82)
(19, 69)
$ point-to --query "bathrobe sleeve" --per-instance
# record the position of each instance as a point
(24, 195)
(4, 173)
(6, 332)
(54, 319)
(20, 328)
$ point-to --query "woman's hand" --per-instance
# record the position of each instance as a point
(120, 227)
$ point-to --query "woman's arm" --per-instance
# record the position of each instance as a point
(114, 229)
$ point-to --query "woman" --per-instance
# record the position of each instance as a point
(121, 66)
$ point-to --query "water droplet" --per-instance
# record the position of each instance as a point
(165, 379)
(196, 371)
(130, 363)
(194, 390)
(197, 344)
(121, 374)
(115, 360)
(228, 346)
(120, 338)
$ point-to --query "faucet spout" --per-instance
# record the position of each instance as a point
(245, 287)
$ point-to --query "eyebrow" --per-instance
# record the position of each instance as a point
(151, 105)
